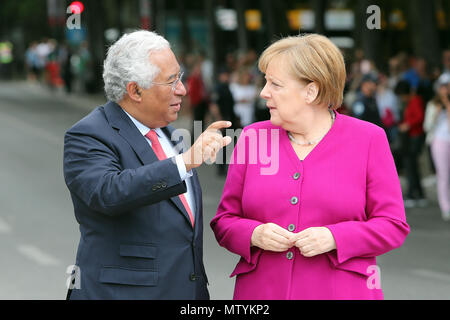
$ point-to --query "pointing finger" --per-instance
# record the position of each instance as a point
(219, 125)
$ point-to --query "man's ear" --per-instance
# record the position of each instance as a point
(134, 91)
(312, 91)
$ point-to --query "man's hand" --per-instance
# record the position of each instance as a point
(272, 237)
(314, 241)
(207, 145)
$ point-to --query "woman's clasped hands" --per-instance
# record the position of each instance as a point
(311, 241)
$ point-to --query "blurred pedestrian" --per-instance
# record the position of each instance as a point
(446, 62)
(31, 62)
(197, 94)
(437, 126)
(86, 68)
(6, 59)
(137, 200)
(388, 108)
(244, 94)
(43, 49)
(221, 107)
(366, 107)
(53, 67)
(311, 227)
(65, 61)
(412, 131)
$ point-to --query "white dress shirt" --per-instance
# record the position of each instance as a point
(170, 152)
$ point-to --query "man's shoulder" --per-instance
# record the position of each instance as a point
(92, 122)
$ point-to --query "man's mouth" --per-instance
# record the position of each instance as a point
(176, 106)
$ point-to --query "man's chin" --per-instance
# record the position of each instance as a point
(175, 108)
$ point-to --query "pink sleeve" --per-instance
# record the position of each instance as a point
(232, 230)
(386, 227)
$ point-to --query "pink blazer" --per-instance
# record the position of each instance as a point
(348, 184)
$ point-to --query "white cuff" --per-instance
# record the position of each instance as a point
(182, 168)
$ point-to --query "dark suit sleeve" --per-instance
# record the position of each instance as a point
(92, 172)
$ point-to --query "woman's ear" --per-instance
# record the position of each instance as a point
(134, 92)
(312, 91)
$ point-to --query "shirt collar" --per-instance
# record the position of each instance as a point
(143, 129)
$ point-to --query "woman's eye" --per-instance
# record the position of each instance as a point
(276, 84)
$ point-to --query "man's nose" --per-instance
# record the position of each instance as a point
(180, 89)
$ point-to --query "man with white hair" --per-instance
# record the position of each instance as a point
(137, 200)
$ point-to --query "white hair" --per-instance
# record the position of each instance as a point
(128, 60)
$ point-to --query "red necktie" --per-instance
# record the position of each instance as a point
(157, 148)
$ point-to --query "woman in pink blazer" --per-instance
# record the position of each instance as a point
(311, 196)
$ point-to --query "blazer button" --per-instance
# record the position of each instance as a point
(289, 255)
(294, 200)
(192, 277)
(291, 227)
(296, 175)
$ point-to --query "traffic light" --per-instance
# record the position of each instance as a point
(77, 7)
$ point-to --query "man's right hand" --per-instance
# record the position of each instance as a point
(207, 145)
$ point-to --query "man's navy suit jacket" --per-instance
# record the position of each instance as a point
(137, 241)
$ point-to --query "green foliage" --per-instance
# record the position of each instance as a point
(28, 15)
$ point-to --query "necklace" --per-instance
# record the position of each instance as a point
(310, 143)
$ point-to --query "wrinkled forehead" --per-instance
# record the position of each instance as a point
(166, 61)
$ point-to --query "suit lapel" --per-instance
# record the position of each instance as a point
(126, 128)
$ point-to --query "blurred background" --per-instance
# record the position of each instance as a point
(51, 56)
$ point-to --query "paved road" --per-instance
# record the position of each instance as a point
(39, 234)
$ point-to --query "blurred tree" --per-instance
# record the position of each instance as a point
(281, 23)
(369, 40)
(95, 34)
(425, 39)
(160, 16)
(239, 5)
(209, 6)
(267, 14)
(186, 39)
(319, 7)
(28, 16)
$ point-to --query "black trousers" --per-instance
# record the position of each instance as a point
(411, 162)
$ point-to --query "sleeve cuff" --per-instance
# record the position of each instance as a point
(182, 168)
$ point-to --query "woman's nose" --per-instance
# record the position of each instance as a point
(265, 93)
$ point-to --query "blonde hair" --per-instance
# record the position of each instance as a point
(311, 58)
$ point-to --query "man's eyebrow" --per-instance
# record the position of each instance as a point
(173, 76)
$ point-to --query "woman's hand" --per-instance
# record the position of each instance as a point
(314, 241)
(272, 237)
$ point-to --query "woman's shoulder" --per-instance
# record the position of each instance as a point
(359, 129)
(261, 125)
